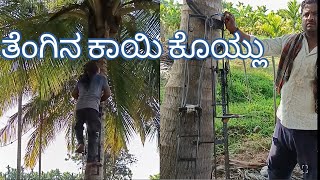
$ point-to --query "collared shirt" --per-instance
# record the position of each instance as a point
(297, 105)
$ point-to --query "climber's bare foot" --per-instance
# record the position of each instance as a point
(80, 148)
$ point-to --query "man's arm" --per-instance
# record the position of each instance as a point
(106, 94)
(272, 47)
(106, 90)
(75, 93)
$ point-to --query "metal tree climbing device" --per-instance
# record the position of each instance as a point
(220, 99)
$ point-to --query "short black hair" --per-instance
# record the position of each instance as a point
(91, 67)
(89, 70)
(303, 4)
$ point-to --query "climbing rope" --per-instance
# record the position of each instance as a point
(247, 81)
(209, 21)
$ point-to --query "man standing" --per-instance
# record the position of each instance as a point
(295, 135)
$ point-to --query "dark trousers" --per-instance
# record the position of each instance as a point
(289, 147)
(91, 118)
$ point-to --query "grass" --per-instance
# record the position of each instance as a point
(254, 100)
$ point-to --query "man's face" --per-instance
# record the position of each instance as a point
(310, 17)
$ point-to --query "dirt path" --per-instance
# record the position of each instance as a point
(247, 166)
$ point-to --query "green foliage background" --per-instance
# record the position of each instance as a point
(258, 21)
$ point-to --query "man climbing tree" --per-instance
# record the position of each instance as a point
(295, 134)
(91, 89)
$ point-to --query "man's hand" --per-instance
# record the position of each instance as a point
(230, 22)
(75, 93)
(106, 94)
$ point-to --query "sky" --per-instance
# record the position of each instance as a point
(54, 156)
(147, 155)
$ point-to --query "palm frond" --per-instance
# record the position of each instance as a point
(57, 114)
(49, 81)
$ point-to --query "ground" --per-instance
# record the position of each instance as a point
(254, 158)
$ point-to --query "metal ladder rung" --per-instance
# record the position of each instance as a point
(206, 142)
(227, 116)
(217, 141)
(219, 104)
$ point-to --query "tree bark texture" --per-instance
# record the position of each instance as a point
(172, 101)
(99, 27)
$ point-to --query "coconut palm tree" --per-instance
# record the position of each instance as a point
(172, 99)
(133, 83)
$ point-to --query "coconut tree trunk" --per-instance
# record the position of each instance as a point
(99, 27)
(172, 101)
(105, 164)
(19, 136)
